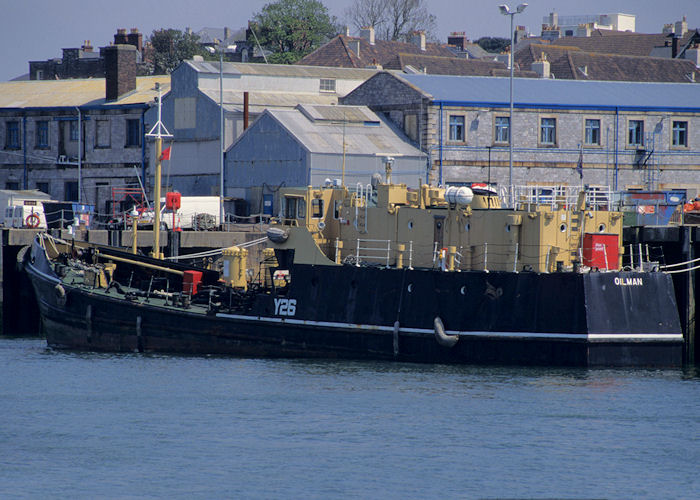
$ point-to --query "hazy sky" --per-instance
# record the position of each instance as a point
(39, 29)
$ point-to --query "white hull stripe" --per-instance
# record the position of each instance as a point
(668, 337)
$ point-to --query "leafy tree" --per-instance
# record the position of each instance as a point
(170, 47)
(293, 28)
(496, 45)
(393, 19)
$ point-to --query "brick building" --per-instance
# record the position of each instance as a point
(60, 134)
(84, 62)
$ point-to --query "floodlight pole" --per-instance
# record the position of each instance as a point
(506, 11)
(221, 138)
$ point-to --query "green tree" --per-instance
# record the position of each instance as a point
(171, 47)
(293, 28)
(496, 45)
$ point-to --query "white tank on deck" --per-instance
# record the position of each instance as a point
(459, 195)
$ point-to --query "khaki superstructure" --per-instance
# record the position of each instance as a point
(431, 227)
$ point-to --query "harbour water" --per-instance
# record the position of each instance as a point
(82, 425)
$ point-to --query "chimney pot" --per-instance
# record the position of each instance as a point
(418, 39)
(368, 34)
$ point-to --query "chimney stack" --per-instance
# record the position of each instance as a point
(368, 34)
(681, 27)
(541, 67)
(457, 39)
(120, 70)
(120, 37)
(136, 39)
(418, 39)
(227, 33)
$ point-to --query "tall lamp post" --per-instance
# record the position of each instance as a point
(506, 11)
(221, 132)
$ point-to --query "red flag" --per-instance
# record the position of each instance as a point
(165, 155)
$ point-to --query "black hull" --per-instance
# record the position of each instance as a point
(345, 312)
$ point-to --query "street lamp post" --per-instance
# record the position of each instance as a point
(506, 11)
(212, 50)
(221, 139)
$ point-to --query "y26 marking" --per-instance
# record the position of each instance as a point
(285, 307)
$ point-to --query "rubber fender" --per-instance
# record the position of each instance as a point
(20, 257)
(442, 338)
(60, 294)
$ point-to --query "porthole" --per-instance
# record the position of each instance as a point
(410, 287)
(562, 227)
(602, 228)
(463, 290)
(410, 224)
(507, 228)
(467, 226)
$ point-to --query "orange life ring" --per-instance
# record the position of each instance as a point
(32, 221)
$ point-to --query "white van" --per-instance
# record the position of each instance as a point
(195, 212)
(29, 215)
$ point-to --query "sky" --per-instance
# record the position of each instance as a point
(32, 30)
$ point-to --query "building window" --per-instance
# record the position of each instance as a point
(635, 136)
(42, 134)
(592, 132)
(102, 134)
(13, 185)
(457, 128)
(43, 187)
(70, 191)
(548, 131)
(327, 85)
(73, 128)
(133, 133)
(502, 132)
(12, 135)
(680, 134)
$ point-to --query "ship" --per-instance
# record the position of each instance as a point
(382, 272)
(378, 272)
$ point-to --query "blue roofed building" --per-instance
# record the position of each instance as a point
(625, 134)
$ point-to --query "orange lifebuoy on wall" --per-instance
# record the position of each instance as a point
(32, 221)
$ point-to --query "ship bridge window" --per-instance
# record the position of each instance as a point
(317, 208)
(295, 208)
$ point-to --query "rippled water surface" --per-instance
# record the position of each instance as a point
(115, 426)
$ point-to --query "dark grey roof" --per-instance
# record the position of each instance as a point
(572, 94)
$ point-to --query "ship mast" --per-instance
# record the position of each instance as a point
(158, 131)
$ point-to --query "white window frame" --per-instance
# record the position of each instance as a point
(327, 85)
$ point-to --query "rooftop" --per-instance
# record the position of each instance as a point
(76, 92)
(547, 93)
(281, 70)
(340, 52)
(324, 129)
